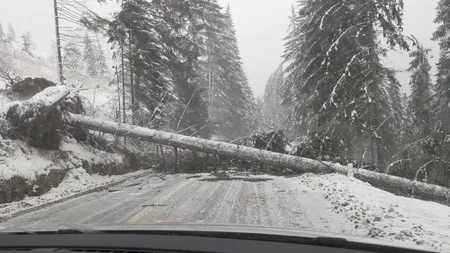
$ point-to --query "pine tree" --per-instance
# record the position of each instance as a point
(2, 34)
(89, 56)
(27, 43)
(419, 107)
(72, 57)
(11, 36)
(230, 98)
(417, 116)
(435, 147)
(272, 110)
(192, 112)
(100, 58)
(337, 84)
(441, 110)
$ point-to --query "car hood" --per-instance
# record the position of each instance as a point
(216, 228)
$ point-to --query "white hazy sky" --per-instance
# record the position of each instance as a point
(260, 25)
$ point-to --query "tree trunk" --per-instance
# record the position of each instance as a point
(130, 56)
(202, 145)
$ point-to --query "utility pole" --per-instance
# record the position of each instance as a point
(58, 44)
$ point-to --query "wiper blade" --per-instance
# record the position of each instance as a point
(77, 231)
(331, 242)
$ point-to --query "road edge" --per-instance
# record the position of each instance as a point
(74, 196)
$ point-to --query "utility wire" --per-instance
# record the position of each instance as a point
(71, 10)
(61, 15)
(70, 15)
(71, 21)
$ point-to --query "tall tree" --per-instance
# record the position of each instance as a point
(89, 56)
(272, 110)
(419, 107)
(11, 36)
(27, 43)
(100, 58)
(231, 101)
(441, 109)
(335, 79)
(2, 33)
(72, 57)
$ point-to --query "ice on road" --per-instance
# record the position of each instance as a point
(325, 203)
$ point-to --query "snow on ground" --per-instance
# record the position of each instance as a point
(18, 159)
(76, 181)
(80, 152)
(382, 214)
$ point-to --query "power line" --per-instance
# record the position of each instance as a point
(71, 10)
(63, 16)
(73, 42)
(79, 4)
(70, 15)
(71, 21)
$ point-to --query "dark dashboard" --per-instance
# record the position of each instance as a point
(143, 242)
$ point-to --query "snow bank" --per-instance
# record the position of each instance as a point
(79, 152)
(380, 214)
(76, 181)
(18, 159)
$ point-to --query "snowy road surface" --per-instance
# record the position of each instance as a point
(328, 203)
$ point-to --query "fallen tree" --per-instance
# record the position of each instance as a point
(298, 164)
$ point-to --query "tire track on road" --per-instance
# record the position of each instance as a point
(163, 198)
(221, 213)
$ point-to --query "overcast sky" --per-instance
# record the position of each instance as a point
(260, 24)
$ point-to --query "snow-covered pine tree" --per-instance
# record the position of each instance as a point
(341, 91)
(89, 56)
(72, 57)
(230, 98)
(100, 58)
(191, 114)
(436, 145)
(419, 107)
(441, 110)
(416, 123)
(27, 43)
(2, 33)
(272, 111)
(11, 35)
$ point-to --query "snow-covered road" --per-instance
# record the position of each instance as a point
(328, 203)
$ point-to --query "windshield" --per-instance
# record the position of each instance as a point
(324, 116)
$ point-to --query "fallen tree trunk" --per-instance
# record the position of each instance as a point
(398, 185)
(298, 164)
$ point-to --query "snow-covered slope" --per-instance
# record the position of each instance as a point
(99, 98)
(17, 159)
